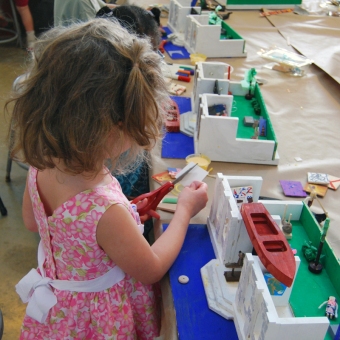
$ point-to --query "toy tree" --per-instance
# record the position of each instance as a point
(316, 267)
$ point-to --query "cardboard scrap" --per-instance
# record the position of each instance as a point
(334, 182)
(243, 195)
(292, 188)
(317, 178)
(320, 190)
(162, 177)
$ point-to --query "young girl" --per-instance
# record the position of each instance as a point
(94, 92)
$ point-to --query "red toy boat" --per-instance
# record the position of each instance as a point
(269, 242)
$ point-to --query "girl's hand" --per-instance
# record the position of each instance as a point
(193, 198)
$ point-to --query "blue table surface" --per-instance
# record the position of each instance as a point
(194, 318)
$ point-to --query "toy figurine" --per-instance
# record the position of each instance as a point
(240, 258)
(234, 276)
(287, 226)
(331, 308)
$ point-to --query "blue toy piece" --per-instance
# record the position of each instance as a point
(263, 127)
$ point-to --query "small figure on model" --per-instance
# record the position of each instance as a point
(240, 258)
(287, 226)
(331, 307)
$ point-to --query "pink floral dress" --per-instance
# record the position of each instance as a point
(128, 310)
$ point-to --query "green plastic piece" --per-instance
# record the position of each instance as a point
(171, 200)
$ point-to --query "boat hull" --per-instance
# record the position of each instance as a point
(269, 242)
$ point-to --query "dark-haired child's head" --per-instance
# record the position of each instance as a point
(138, 21)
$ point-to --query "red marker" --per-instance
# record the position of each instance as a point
(181, 78)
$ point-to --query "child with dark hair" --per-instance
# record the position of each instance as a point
(136, 20)
(142, 23)
(94, 91)
(157, 15)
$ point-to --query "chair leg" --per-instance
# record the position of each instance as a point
(1, 324)
(9, 167)
(16, 23)
(3, 209)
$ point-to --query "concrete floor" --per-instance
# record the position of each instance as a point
(18, 246)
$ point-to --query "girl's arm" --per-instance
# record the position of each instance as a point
(27, 212)
(120, 238)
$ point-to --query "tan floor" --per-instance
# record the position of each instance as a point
(18, 246)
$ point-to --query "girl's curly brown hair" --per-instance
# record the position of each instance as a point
(92, 87)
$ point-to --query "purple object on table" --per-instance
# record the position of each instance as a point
(292, 188)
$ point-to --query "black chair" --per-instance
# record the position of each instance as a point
(3, 212)
(14, 33)
(1, 325)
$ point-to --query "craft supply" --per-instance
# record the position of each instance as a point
(320, 190)
(203, 161)
(196, 174)
(174, 171)
(242, 195)
(292, 188)
(196, 57)
(191, 70)
(177, 189)
(317, 178)
(171, 70)
(154, 197)
(286, 61)
(183, 72)
(334, 182)
(176, 89)
(171, 200)
(183, 279)
(178, 77)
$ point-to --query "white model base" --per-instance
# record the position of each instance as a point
(220, 294)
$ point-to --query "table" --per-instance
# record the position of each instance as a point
(305, 113)
(195, 320)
